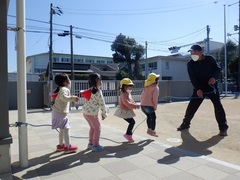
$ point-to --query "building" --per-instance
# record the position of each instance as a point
(169, 67)
(83, 64)
(30, 77)
(174, 67)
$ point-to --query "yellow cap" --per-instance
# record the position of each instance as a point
(151, 79)
(126, 81)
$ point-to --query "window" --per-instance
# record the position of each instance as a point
(90, 61)
(110, 62)
(55, 59)
(152, 66)
(101, 61)
(167, 65)
(65, 60)
(78, 60)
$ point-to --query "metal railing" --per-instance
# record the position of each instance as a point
(111, 91)
(169, 91)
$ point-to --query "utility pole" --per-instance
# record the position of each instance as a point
(72, 59)
(58, 11)
(238, 83)
(208, 32)
(50, 45)
(50, 74)
(146, 64)
(67, 33)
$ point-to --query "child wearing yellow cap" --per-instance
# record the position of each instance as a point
(126, 106)
(149, 101)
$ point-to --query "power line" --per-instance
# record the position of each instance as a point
(181, 36)
(126, 12)
(90, 34)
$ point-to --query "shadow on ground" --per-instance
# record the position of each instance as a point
(190, 147)
(56, 162)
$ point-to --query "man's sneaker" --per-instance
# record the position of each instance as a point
(70, 149)
(183, 126)
(149, 131)
(89, 146)
(97, 148)
(128, 137)
(60, 147)
(223, 133)
(152, 133)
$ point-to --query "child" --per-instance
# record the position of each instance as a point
(149, 101)
(60, 110)
(95, 101)
(126, 106)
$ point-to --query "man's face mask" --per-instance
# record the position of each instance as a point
(195, 57)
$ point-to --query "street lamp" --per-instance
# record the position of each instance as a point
(237, 28)
(225, 52)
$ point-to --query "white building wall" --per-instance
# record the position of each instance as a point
(40, 61)
(177, 69)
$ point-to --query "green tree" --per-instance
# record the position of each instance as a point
(128, 51)
(233, 68)
(231, 54)
(121, 74)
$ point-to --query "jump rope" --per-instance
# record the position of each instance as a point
(19, 124)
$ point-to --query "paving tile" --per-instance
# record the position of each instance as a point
(36, 147)
(162, 156)
(223, 168)
(185, 164)
(199, 159)
(119, 167)
(137, 174)
(93, 173)
(207, 172)
(83, 166)
(150, 149)
(231, 177)
(69, 176)
(182, 176)
(51, 170)
(110, 178)
(146, 158)
(141, 160)
(161, 171)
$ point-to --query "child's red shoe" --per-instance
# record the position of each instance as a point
(70, 149)
(60, 147)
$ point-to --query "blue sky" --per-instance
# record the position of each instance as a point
(162, 24)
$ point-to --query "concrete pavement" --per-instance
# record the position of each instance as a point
(195, 154)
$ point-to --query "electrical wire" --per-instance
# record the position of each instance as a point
(93, 34)
(116, 12)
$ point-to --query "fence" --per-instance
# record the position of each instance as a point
(38, 92)
(169, 91)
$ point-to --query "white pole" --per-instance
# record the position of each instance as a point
(225, 52)
(21, 84)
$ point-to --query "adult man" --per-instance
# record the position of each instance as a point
(203, 72)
